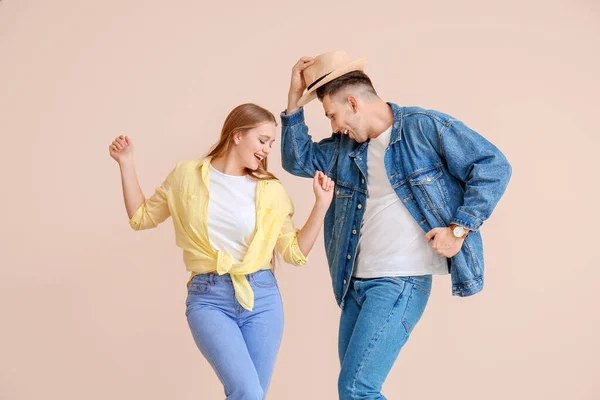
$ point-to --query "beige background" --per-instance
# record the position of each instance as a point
(93, 310)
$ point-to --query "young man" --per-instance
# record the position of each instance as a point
(413, 187)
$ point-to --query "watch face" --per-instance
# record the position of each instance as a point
(459, 231)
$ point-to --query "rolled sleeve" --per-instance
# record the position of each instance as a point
(294, 118)
(287, 244)
(154, 209)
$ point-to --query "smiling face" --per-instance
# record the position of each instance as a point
(254, 145)
(246, 139)
(344, 113)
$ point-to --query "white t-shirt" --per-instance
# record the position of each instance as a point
(231, 213)
(391, 242)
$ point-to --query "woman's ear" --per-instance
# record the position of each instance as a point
(237, 136)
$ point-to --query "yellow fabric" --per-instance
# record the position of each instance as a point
(184, 196)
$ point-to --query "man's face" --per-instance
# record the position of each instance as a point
(344, 113)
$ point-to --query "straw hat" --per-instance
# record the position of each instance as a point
(327, 67)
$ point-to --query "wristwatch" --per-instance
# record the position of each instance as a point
(459, 231)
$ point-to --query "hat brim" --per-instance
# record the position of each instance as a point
(357, 65)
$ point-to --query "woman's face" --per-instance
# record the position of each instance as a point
(255, 145)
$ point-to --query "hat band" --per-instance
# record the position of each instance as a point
(317, 81)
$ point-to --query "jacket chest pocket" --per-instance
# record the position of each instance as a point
(430, 188)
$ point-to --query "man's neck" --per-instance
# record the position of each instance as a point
(382, 118)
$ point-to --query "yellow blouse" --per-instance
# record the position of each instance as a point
(184, 195)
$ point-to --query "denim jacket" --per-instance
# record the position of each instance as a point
(443, 172)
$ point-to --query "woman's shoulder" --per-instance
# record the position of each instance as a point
(185, 167)
(184, 171)
(188, 165)
(277, 196)
(274, 186)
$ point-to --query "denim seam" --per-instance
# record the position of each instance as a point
(297, 154)
(199, 292)
(407, 304)
(471, 283)
(262, 286)
(349, 186)
(286, 117)
(427, 198)
(432, 116)
(421, 289)
(418, 172)
(333, 159)
(431, 181)
(328, 168)
(441, 137)
(472, 216)
(472, 257)
(374, 339)
(292, 125)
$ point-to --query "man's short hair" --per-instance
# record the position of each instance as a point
(351, 79)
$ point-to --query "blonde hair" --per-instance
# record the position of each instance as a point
(241, 119)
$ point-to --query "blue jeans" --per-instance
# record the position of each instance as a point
(240, 345)
(377, 319)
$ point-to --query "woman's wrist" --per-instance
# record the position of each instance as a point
(321, 206)
(126, 162)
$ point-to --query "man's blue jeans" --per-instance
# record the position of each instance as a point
(377, 319)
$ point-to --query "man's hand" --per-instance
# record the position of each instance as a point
(443, 242)
(297, 83)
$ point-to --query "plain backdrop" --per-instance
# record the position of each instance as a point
(90, 309)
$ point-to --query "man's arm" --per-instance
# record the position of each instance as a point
(299, 154)
(481, 166)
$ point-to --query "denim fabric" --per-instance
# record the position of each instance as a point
(378, 317)
(240, 345)
(442, 171)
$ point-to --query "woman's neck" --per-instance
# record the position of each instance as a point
(228, 165)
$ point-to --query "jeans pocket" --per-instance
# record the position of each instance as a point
(415, 306)
(422, 283)
(263, 279)
(198, 288)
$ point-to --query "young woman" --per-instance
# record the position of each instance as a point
(230, 214)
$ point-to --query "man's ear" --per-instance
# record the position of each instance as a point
(353, 103)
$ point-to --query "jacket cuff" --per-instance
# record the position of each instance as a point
(468, 221)
(292, 119)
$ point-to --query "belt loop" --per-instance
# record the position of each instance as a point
(211, 279)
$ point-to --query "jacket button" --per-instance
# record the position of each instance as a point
(359, 206)
(344, 281)
(428, 178)
(362, 181)
(349, 256)
(354, 231)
